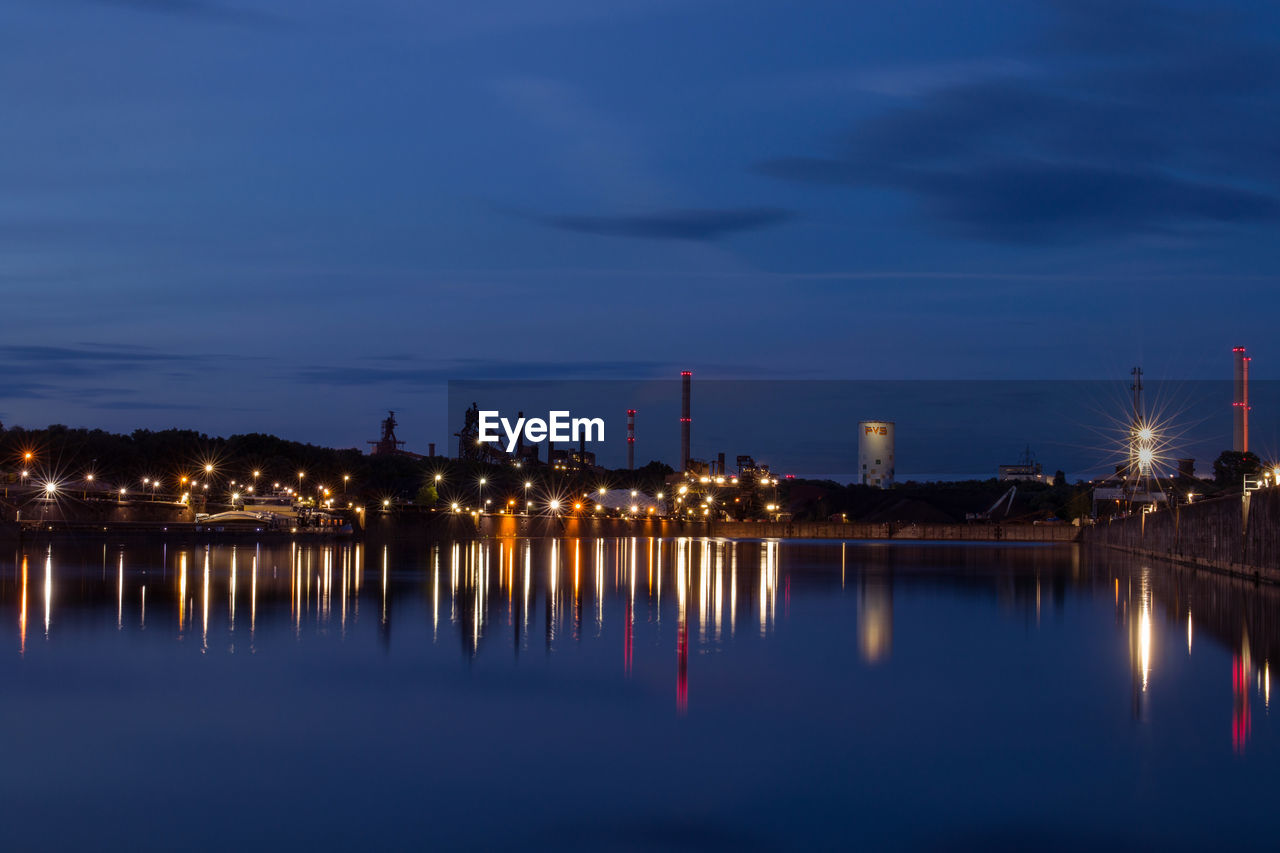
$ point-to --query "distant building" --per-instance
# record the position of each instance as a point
(875, 453)
(1028, 470)
(573, 459)
(1020, 471)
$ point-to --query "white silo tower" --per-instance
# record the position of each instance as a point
(875, 453)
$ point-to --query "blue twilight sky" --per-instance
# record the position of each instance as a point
(290, 216)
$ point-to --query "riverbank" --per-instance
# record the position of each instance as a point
(1233, 535)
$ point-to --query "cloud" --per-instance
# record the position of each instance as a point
(1167, 128)
(480, 369)
(694, 225)
(98, 361)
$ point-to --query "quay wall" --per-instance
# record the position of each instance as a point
(449, 525)
(1232, 534)
(895, 530)
(66, 511)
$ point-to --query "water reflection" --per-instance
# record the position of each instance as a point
(691, 598)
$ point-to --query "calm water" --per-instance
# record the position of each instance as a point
(631, 694)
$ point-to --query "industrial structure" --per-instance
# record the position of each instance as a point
(1028, 469)
(686, 379)
(875, 453)
(1240, 404)
(631, 439)
(389, 445)
(1135, 485)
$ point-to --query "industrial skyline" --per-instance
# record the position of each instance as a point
(1054, 192)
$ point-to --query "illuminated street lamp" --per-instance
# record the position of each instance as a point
(527, 484)
(481, 492)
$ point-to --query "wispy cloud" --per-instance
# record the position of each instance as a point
(695, 225)
(480, 369)
(1168, 128)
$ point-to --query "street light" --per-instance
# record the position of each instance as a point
(481, 495)
(527, 484)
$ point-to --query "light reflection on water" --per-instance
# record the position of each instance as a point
(695, 626)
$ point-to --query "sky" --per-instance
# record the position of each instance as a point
(291, 216)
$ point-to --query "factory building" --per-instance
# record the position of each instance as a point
(875, 453)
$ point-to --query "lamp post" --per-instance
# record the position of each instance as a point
(527, 484)
(480, 499)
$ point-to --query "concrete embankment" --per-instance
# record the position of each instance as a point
(1235, 535)
(392, 525)
(462, 526)
(449, 525)
(895, 530)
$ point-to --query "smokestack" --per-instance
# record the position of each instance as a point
(686, 379)
(720, 464)
(431, 450)
(631, 439)
(1240, 435)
